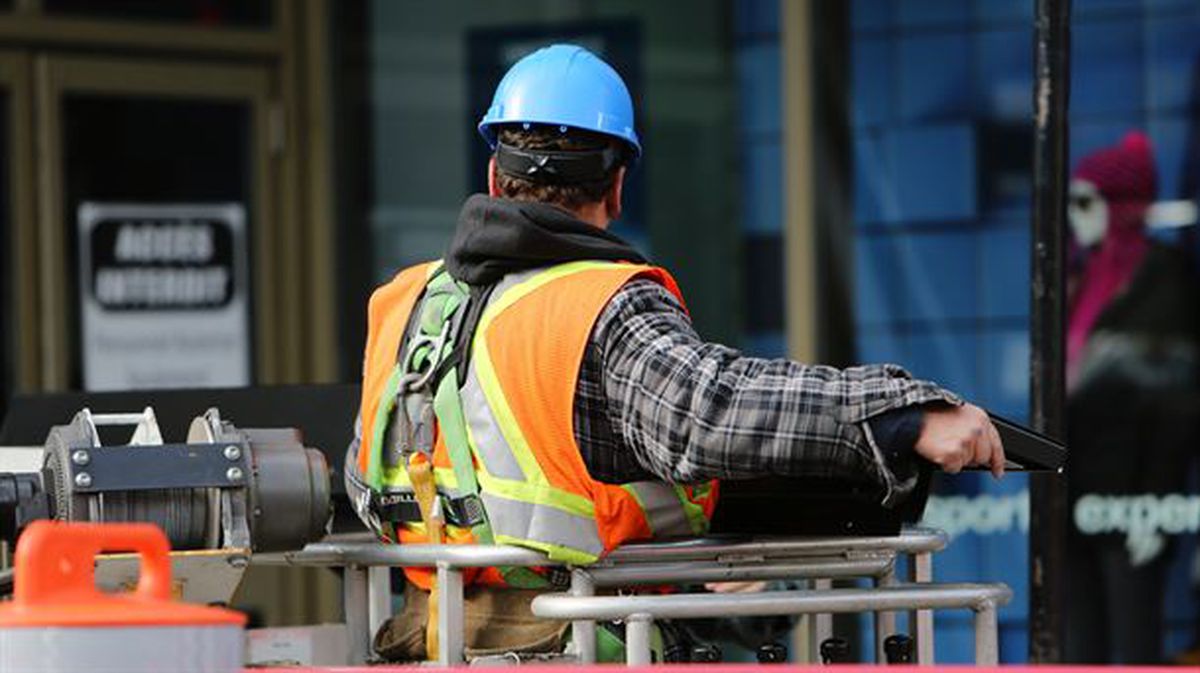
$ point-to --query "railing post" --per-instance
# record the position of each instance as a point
(987, 648)
(920, 570)
(583, 632)
(450, 615)
(354, 604)
(379, 598)
(822, 621)
(885, 622)
(637, 639)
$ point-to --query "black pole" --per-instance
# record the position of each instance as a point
(1047, 491)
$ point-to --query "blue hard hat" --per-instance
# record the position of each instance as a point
(563, 85)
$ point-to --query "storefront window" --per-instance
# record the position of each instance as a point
(942, 103)
(937, 114)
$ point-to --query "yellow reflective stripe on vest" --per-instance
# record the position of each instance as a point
(535, 487)
(396, 477)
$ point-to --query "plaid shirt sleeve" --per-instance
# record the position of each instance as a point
(689, 410)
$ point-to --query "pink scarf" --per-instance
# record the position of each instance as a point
(1125, 176)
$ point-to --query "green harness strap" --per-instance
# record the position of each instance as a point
(441, 318)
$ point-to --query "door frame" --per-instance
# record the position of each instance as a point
(22, 257)
(58, 76)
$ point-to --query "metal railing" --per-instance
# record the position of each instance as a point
(638, 612)
(367, 589)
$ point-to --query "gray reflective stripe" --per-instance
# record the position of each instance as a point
(490, 445)
(538, 523)
(664, 512)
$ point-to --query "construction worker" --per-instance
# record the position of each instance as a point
(543, 386)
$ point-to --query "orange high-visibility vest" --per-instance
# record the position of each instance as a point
(518, 403)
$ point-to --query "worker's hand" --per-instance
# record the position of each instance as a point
(956, 437)
(735, 587)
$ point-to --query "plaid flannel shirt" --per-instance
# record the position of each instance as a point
(655, 401)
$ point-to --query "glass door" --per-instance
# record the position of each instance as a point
(158, 210)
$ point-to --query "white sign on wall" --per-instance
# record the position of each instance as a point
(164, 296)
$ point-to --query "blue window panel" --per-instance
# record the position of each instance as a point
(879, 293)
(940, 275)
(1168, 137)
(1089, 136)
(766, 344)
(876, 346)
(992, 12)
(1169, 5)
(756, 17)
(1179, 638)
(955, 641)
(872, 81)
(1004, 365)
(1014, 642)
(1172, 54)
(934, 172)
(1106, 68)
(1004, 271)
(759, 83)
(762, 188)
(935, 76)
(946, 356)
(1106, 7)
(1005, 74)
(926, 13)
(1181, 603)
(987, 521)
(871, 14)
(875, 197)
(1002, 529)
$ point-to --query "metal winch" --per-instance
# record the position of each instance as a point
(224, 487)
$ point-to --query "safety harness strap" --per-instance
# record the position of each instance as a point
(447, 404)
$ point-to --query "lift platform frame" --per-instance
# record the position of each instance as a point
(367, 587)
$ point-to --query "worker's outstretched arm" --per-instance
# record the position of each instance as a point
(691, 410)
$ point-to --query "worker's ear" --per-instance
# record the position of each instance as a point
(612, 199)
(493, 191)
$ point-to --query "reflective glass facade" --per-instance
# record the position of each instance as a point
(942, 103)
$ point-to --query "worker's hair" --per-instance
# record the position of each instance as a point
(539, 137)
